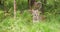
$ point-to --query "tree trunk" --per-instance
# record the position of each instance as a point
(31, 3)
(42, 17)
(14, 9)
(43, 6)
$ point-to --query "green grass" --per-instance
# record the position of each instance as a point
(23, 23)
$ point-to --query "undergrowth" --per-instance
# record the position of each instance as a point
(23, 23)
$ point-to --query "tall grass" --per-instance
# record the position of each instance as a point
(23, 23)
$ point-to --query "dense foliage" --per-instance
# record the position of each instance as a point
(23, 22)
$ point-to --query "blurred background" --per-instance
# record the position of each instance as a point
(16, 17)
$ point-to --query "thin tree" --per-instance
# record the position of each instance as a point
(14, 9)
